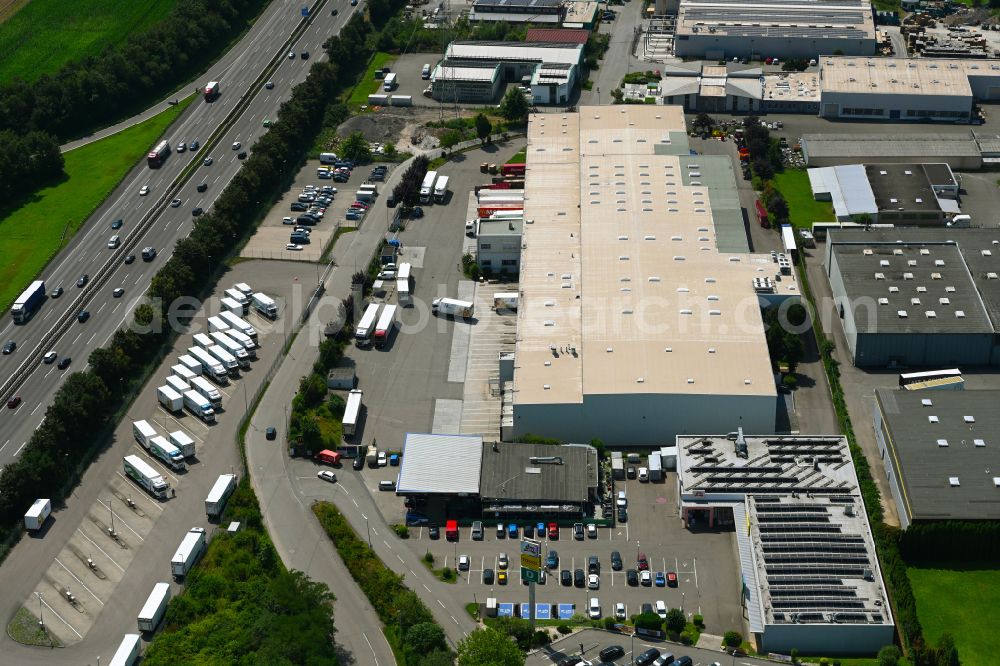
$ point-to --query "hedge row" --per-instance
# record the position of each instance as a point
(416, 639)
(953, 540)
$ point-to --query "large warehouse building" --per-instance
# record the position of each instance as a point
(917, 297)
(940, 453)
(632, 302)
(724, 29)
(811, 578)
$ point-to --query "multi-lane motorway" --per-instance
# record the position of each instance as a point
(88, 251)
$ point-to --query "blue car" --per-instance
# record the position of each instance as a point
(661, 581)
(552, 560)
(512, 531)
(540, 529)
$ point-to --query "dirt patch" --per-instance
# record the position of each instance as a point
(405, 128)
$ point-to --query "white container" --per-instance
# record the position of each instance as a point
(128, 651)
(37, 514)
(154, 608)
(352, 412)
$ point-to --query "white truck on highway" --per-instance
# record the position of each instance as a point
(182, 441)
(233, 347)
(167, 453)
(177, 384)
(217, 497)
(184, 372)
(227, 360)
(191, 548)
(452, 307)
(233, 306)
(170, 399)
(154, 608)
(363, 331)
(143, 433)
(427, 187)
(210, 365)
(148, 478)
(264, 305)
(239, 324)
(207, 391)
(198, 405)
(37, 514)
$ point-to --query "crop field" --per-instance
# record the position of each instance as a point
(40, 36)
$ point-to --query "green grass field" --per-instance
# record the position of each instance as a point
(368, 84)
(965, 604)
(46, 34)
(802, 208)
(34, 232)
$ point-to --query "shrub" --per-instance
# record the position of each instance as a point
(732, 639)
(447, 574)
(609, 623)
(686, 638)
(429, 557)
(698, 620)
(564, 629)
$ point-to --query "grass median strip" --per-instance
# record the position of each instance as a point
(368, 85)
(38, 229)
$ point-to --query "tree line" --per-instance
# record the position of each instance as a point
(27, 161)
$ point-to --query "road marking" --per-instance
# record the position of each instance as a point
(116, 307)
(130, 484)
(82, 584)
(386, 543)
(120, 519)
(370, 647)
(439, 603)
(352, 499)
(138, 279)
(100, 549)
(53, 611)
(48, 373)
(401, 560)
(77, 337)
(18, 452)
(46, 315)
(92, 337)
(35, 409)
(4, 445)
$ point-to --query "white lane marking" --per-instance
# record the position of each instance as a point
(53, 611)
(82, 584)
(18, 452)
(77, 337)
(103, 305)
(121, 520)
(370, 647)
(100, 549)
(4, 445)
(45, 376)
(37, 407)
(92, 337)
(116, 307)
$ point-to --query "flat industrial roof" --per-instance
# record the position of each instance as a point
(520, 5)
(560, 35)
(792, 87)
(904, 186)
(466, 70)
(538, 472)
(624, 289)
(963, 443)
(897, 76)
(539, 52)
(861, 147)
(448, 464)
(844, 19)
(909, 280)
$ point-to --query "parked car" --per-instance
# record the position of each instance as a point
(487, 576)
(671, 579)
(592, 530)
(433, 532)
(553, 531)
(463, 562)
(501, 532)
(643, 562)
(502, 578)
(512, 530)
(579, 578)
(578, 531)
(565, 577)
(326, 475)
(616, 560)
(660, 580)
(593, 582)
(645, 579)
(632, 577)
(552, 560)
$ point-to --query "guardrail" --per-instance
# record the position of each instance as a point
(102, 275)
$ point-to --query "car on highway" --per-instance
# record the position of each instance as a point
(64, 362)
(195, 212)
(175, 203)
(354, 3)
(148, 253)
(334, 12)
(236, 145)
(144, 190)
(13, 401)
(269, 85)
(181, 147)
(49, 358)
(83, 280)
(129, 259)
(9, 347)
(117, 224)
(305, 55)
(202, 187)
(267, 122)
(487, 576)
(207, 161)
(82, 316)
(271, 433)
(194, 146)
(292, 247)
(242, 155)
(57, 292)
(326, 475)
(291, 55)
(118, 292)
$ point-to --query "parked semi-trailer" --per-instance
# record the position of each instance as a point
(183, 372)
(182, 441)
(207, 391)
(158, 154)
(234, 306)
(154, 608)
(515, 169)
(211, 90)
(217, 325)
(386, 323)
(203, 340)
(28, 302)
(427, 187)
(210, 365)
(191, 363)
(441, 189)
(264, 305)
(234, 348)
(167, 452)
(248, 344)
(177, 384)
(143, 433)
(170, 399)
(128, 651)
(37, 513)
(239, 324)
(452, 307)
(191, 548)
(139, 471)
(237, 296)
(352, 412)
(366, 326)
(198, 405)
(244, 288)
(216, 500)
(228, 361)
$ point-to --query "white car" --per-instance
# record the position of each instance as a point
(181, 147)
(592, 530)
(327, 475)
(661, 609)
(621, 501)
(144, 190)
(594, 609)
(237, 145)
(287, 220)
(175, 203)
(50, 357)
(386, 275)
(291, 55)
(382, 459)
(645, 578)
(293, 247)
(502, 562)
(208, 161)
(593, 581)
(620, 611)
(463, 562)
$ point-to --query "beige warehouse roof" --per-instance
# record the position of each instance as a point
(910, 76)
(620, 274)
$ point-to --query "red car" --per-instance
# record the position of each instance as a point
(643, 562)
(553, 531)
(671, 579)
(14, 401)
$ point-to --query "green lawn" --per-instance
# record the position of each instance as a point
(803, 209)
(519, 157)
(33, 233)
(369, 84)
(965, 604)
(46, 34)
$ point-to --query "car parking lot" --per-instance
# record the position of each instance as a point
(590, 642)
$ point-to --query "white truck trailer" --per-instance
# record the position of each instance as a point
(217, 324)
(210, 365)
(386, 323)
(234, 306)
(182, 441)
(170, 399)
(234, 348)
(207, 391)
(427, 186)
(177, 384)
(239, 324)
(185, 372)
(352, 413)
(249, 345)
(198, 405)
(363, 331)
(451, 307)
(143, 433)
(148, 478)
(154, 608)
(217, 497)
(505, 300)
(227, 360)
(203, 340)
(128, 651)
(37, 514)
(167, 453)
(264, 305)
(441, 189)
(191, 548)
(237, 296)
(243, 288)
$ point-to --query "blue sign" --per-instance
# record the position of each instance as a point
(543, 611)
(505, 610)
(566, 611)
(525, 611)
(305, 11)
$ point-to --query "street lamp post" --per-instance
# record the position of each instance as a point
(41, 621)
(632, 659)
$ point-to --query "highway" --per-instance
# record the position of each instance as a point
(88, 250)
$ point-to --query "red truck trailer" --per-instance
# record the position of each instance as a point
(158, 155)
(762, 215)
(516, 169)
(211, 91)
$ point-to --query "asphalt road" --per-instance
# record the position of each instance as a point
(88, 250)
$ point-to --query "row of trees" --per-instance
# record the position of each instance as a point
(27, 161)
(966, 540)
(100, 89)
(407, 190)
(241, 606)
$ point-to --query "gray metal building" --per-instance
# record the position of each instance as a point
(959, 150)
(498, 245)
(466, 81)
(917, 297)
(940, 453)
(527, 480)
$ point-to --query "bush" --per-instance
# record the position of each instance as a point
(429, 557)
(609, 623)
(447, 574)
(540, 638)
(564, 629)
(686, 638)
(698, 620)
(648, 621)
(402, 531)
(732, 639)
